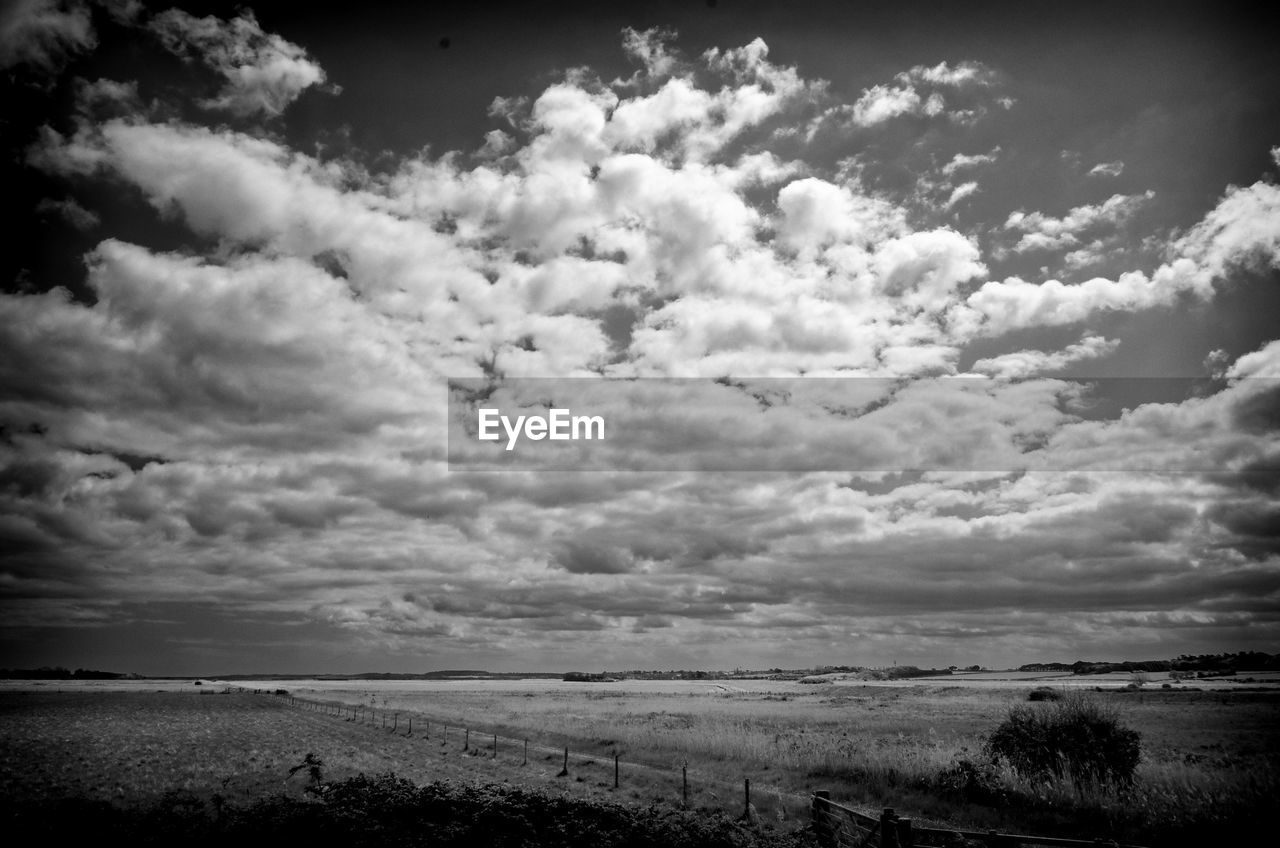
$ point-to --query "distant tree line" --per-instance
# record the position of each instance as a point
(891, 673)
(1225, 662)
(60, 673)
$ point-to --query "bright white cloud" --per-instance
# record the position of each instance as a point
(1045, 232)
(1107, 169)
(881, 103)
(263, 72)
(961, 161)
(961, 192)
(1025, 363)
(1243, 229)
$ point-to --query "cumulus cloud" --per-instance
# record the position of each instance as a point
(1243, 229)
(258, 419)
(962, 162)
(44, 33)
(263, 72)
(1025, 363)
(650, 49)
(1045, 232)
(881, 103)
(961, 192)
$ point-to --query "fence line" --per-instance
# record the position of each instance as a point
(710, 785)
(835, 825)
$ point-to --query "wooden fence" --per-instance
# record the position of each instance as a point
(835, 825)
(486, 744)
(838, 826)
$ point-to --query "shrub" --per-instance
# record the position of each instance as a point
(1076, 737)
(314, 767)
(972, 782)
(1044, 693)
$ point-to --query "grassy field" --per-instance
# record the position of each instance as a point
(132, 747)
(1206, 754)
(875, 745)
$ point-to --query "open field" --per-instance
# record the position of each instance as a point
(1205, 753)
(1212, 748)
(134, 747)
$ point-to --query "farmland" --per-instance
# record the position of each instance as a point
(1206, 752)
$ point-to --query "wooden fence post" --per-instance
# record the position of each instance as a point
(495, 746)
(684, 784)
(888, 829)
(525, 761)
(746, 800)
(395, 722)
(466, 740)
(906, 839)
(818, 818)
(410, 733)
(564, 772)
(615, 769)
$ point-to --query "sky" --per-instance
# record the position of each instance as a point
(980, 304)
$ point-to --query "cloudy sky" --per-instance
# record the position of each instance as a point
(255, 245)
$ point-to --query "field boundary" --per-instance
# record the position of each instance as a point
(839, 826)
(759, 801)
(835, 825)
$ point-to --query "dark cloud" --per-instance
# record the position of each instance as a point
(1259, 411)
(44, 34)
(582, 557)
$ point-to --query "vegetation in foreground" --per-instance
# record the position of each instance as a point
(388, 811)
(1205, 759)
(1208, 763)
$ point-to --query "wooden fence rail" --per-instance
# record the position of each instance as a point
(838, 826)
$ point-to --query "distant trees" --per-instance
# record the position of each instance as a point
(1224, 662)
(57, 673)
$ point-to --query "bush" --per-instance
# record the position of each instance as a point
(971, 782)
(1076, 737)
(1044, 693)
